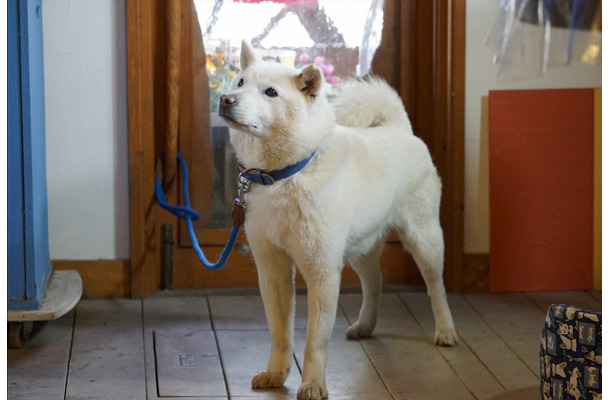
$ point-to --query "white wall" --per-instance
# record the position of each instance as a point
(86, 129)
(480, 79)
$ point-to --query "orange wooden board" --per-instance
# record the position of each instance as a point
(541, 189)
(597, 192)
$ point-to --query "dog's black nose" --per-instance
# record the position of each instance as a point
(227, 100)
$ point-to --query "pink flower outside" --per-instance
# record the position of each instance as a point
(328, 69)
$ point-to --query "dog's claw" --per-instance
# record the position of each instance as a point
(312, 391)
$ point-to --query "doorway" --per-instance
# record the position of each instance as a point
(420, 53)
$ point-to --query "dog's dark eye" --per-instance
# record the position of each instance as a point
(271, 92)
(240, 83)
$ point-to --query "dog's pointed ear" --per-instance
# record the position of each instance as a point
(310, 80)
(247, 56)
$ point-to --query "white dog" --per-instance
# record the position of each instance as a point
(368, 174)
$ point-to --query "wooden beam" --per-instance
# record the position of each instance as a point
(144, 233)
(476, 272)
(448, 99)
(174, 33)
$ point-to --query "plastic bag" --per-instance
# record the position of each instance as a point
(530, 36)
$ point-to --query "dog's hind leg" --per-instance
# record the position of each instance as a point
(425, 242)
(367, 268)
(276, 281)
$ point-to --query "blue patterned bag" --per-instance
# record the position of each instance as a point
(571, 354)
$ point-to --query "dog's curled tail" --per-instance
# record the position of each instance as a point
(369, 102)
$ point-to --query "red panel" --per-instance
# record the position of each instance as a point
(541, 189)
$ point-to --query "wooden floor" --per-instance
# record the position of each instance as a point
(203, 346)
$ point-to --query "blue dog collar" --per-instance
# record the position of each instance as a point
(264, 177)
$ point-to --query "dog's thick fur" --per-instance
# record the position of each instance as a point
(369, 174)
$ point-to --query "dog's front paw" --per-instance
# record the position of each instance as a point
(358, 330)
(447, 337)
(312, 390)
(265, 380)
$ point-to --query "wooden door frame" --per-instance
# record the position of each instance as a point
(144, 234)
(448, 92)
(439, 56)
(424, 59)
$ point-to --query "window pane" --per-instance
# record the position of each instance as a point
(340, 36)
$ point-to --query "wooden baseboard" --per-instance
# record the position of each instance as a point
(101, 278)
(397, 268)
(476, 272)
(110, 278)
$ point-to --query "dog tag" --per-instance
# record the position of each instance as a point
(239, 214)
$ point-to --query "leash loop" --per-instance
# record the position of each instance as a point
(190, 215)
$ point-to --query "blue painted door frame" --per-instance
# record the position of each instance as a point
(28, 262)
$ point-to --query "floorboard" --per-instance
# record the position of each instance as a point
(188, 365)
(238, 312)
(465, 363)
(107, 360)
(349, 372)
(248, 312)
(597, 294)
(404, 355)
(39, 371)
(495, 354)
(245, 343)
(244, 354)
(577, 298)
(516, 320)
(187, 318)
(208, 347)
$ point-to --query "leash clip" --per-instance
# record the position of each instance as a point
(239, 206)
(243, 186)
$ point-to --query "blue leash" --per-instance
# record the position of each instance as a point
(190, 215)
(246, 178)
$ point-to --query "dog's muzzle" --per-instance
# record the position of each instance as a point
(224, 106)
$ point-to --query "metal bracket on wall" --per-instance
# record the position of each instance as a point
(167, 255)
